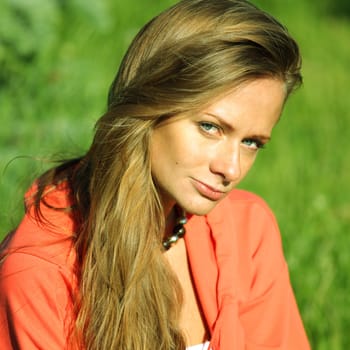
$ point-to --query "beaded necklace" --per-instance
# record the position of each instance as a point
(178, 231)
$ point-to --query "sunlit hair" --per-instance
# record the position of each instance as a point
(189, 55)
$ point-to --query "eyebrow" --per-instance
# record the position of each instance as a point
(228, 126)
(263, 138)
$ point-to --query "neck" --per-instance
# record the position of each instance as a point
(170, 219)
(168, 203)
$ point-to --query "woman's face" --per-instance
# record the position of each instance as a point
(198, 159)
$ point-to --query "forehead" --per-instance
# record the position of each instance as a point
(253, 84)
(260, 93)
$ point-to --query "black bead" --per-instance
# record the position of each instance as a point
(178, 232)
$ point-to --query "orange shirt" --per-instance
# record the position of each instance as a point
(242, 278)
(236, 259)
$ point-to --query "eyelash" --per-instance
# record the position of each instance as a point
(203, 126)
(259, 144)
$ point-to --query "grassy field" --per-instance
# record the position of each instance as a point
(56, 67)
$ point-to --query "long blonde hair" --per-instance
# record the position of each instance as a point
(188, 55)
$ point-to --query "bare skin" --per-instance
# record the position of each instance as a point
(192, 322)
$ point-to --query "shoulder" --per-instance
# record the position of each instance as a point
(46, 232)
(55, 210)
(245, 208)
(32, 285)
(42, 264)
(42, 247)
(37, 273)
(245, 222)
(252, 216)
(25, 269)
(237, 197)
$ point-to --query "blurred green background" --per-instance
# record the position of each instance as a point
(57, 59)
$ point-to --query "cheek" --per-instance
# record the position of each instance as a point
(183, 151)
(167, 155)
(178, 145)
(247, 161)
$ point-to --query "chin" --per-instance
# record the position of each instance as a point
(199, 212)
(200, 209)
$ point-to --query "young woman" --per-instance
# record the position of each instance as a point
(101, 259)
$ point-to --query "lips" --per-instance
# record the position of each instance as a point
(208, 191)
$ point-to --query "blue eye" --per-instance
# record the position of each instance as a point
(209, 127)
(253, 144)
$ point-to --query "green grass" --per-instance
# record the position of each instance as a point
(49, 103)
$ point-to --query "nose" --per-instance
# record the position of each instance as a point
(227, 164)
